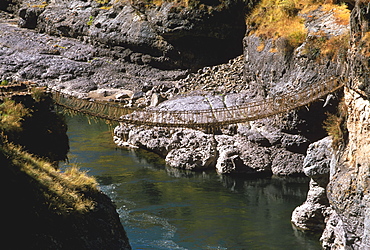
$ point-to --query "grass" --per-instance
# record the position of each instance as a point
(323, 48)
(90, 21)
(42, 5)
(38, 94)
(336, 125)
(4, 82)
(11, 117)
(62, 192)
(276, 19)
(364, 45)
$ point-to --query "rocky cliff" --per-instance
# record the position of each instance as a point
(165, 34)
(269, 67)
(344, 212)
(348, 189)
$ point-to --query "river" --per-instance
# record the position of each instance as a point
(162, 208)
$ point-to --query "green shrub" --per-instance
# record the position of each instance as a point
(91, 20)
(4, 82)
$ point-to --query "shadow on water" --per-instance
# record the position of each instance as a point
(166, 208)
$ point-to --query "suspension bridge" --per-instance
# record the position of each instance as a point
(199, 118)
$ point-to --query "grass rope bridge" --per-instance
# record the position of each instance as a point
(200, 118)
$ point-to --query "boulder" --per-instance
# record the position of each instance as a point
(238, 155)
(312, 214)
(123, 94)
(317, 161)
(286, 163)
(181, 148)
(156, 99)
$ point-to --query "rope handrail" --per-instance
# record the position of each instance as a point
(199, 118)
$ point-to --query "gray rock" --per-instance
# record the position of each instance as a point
(191, 149)
(156, 99)
(181, 148)
(317, 161)
(286, 163)
(137, 95)
(334, 235)
(238, 155)
(312, 214)
(192, 158)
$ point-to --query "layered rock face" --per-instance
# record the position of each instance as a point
(167, 35)
(348, 189)
(347, 192)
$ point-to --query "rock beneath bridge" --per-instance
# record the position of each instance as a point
(181, 148)
(246, 151)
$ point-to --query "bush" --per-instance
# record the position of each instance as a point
(11, 117)
(336, 125)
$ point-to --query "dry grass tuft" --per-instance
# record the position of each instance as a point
(64, 193)
(323, 48)
(336, 125)
(278, 18)
(364, 45)
(274, 19)
(11, 116)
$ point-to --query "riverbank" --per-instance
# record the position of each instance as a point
(48, 208)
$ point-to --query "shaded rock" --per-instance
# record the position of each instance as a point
(186, 149)
(165, 36)
(192, 158)
(191, 149)
(123, 94)
(156, 99)
(137, 95)
(230, 161)
(334, 235)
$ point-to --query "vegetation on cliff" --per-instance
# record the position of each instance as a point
(274, 19)
(62, 192)
(336, 125)
(50, 208)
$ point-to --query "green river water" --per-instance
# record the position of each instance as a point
(163, 208)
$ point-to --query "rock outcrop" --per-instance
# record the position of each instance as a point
(166, 35)
(312, 213)
(347, 217)
(278, 143)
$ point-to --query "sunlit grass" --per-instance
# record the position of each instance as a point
(65, 192)
(274, 19)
